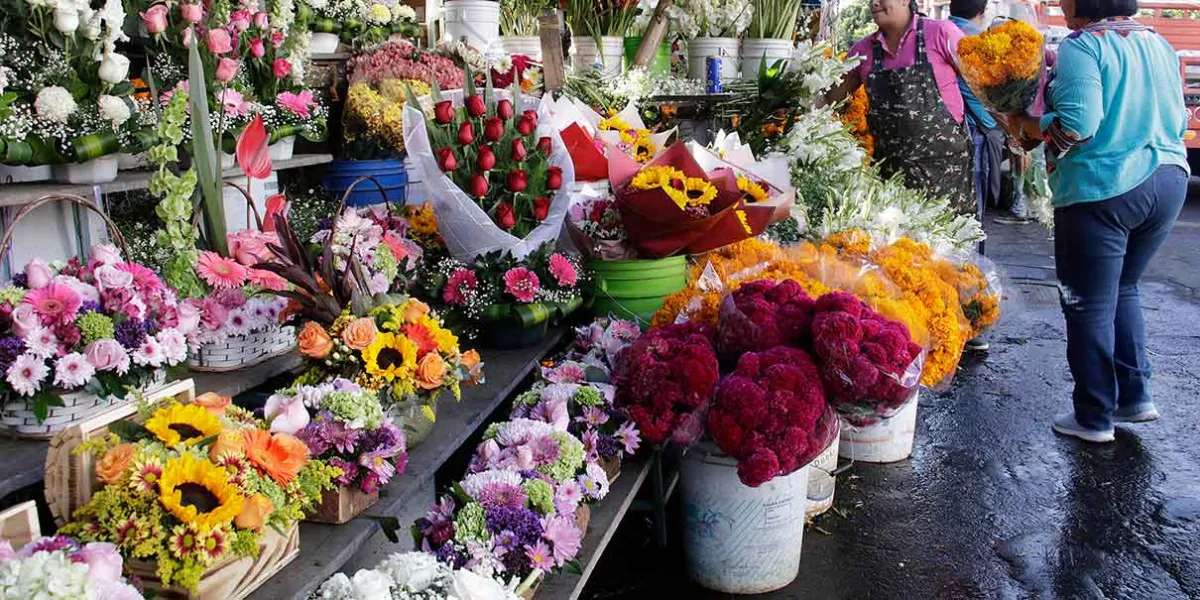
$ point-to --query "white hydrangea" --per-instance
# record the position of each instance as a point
(55, 103)
(403, 12)
(49, 575)
(114, 109)
(414, 571)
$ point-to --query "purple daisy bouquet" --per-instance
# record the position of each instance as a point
(532, 445)
(344, 425)
(584, 410)
(102, 327)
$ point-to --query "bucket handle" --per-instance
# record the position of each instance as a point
(113, 230)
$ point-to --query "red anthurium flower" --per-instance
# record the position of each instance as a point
(444, 112)
(517, 180)
(545, 146)
(493, 129)
(554, 178)
(505, 217)
(504, 108)
(518, 149)
(475, 106)
(466, 133)
(252, 154)
(487, 158)
(446, 160)
(526, 125)
(541, 208)
(478, 185)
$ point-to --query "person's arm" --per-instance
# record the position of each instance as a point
(946, 43)
(1077, 97)
(850, 82)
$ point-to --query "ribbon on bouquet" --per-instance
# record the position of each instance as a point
(326, 25)
(532, 314)
(93, 146)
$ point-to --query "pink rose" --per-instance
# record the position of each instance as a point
(277, 39)
(249, 247)
(218, 41)
(488, 451)
(25, 320)
(257, 48)
(187, 43)
(155, 18)
(213, 313)
(227, 69)
(106, 254)
(37, 274)
(192, 13)
(281, 68)
(261, 20)
(239, 20)
(287, 415)
(189, 317)
(103, 561)
(106, 355)
(111, 278)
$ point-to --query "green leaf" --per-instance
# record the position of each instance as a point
(573, 567)
(204, 153)
(43, 401)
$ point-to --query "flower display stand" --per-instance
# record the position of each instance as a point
(19, 524)
(241, 351)
(233, 578)
(343, 504)
(70, 476)
(18, 417)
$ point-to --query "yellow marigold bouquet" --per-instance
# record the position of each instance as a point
(1003, 65)
(854, 115)
(373, 121)
(979, 290)
(194, 484)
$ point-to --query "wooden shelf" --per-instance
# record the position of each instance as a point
(325, 548)
(19, 194)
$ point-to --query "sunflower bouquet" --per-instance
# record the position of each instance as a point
(1003, 65)
(194, 486)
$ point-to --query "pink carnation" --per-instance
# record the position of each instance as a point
(522, 284)
(563, 271)
(460, 287)
(300, 104)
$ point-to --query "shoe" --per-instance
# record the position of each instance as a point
(1066, 424)
(1142, 413)
(1012, 220)
(978, 344)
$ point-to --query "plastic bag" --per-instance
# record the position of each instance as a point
(978, 283)
(466, 228)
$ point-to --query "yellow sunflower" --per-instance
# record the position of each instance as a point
(651, 178)
(390, 356)
(644, 149)
(198, 493)
(183, 423)
(613, 124)
(699, 191)
(752, 192)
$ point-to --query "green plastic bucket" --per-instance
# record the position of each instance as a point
(659, 65)
(636, 289)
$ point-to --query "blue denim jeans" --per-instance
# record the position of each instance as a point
(1101, 251)
(980, 181)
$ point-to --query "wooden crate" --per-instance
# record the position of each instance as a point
(342, 504)
(70, 477)
(233, 578)
(19, 524)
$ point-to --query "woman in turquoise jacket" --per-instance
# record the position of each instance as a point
(1114, 130)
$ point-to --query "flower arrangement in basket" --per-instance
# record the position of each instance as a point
(60, 567)
(81, 337)
(414, 575)
(1003, 65)
(344, 425)
(379, 242)
(197, 486)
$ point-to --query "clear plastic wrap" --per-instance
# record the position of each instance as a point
(980, 289)
(761, 315)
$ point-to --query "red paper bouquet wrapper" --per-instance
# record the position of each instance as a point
(590, 164)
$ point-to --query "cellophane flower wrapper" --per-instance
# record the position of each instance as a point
(980, 287)
(466, 228)
(577, 222)
(773, 171)
(761, 315)
(1003, 66)
(656, 225)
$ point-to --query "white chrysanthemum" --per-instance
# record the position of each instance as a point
(26, 374)
(41, 342)
(475, 483)
(239, 321)
(520, 431)
(72, 371)
(114, 109)
(403, 12)
(337, 587)
(504, 64)
(174, 345)
(149, 354)
(55, 103)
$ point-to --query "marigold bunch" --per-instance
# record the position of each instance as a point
(854, 115)
(666, 380)
(978, 292)
(1003, 65)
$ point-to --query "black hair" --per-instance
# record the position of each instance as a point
(1102, 9)
(967, 9)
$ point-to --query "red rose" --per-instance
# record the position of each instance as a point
(531, 115)
(478, 185)
(525, 125)
(444, 112)
(541, 208)
(545, 146)
(493, 129)
(553, 178)
(466, 133)
(476, 106)
(504, 108)
(517, 181)
(487, 158)
(518, 149)
(505, 217)
(446, 160)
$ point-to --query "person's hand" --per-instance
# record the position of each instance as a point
(1021, 162)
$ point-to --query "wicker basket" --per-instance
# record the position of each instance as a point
(241, 351)
(612, 468)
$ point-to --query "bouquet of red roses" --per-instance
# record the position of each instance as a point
(770, 414)
(762, 315)
(495, 181)
(666, 379)
(869, 364)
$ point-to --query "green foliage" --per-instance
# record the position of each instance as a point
(854, 23)
(177, 238)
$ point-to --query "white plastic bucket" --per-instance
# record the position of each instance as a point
(609, 53)
(323, 43)
(283, 149)
(738, 539)
(228, 161)
(700, 49)
(127, 161)
(476, 21)
(821, 482)
(22, 174)
(755, 49)
(100, 170)
(887, 441)
(529, 45)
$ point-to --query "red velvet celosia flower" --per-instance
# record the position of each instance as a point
(666, 381)
(762, 315)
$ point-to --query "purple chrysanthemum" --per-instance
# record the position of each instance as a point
(90, 306)
(503, 495)
(526, 527)
(545, 450)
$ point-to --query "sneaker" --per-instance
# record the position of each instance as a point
(978, 344)
(1066, 424)
(1142, 413)
(1012, 220)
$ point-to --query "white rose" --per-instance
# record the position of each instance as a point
(66, 20)
(113, 68)
(114, 109)
(3, 79)
(469, 586)
(337, 587)
(92, 25)
(55, 103)
(372, 585)
(414, 571)
(110, 278)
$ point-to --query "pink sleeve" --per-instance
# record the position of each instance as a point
(861, 48)
(946, 37)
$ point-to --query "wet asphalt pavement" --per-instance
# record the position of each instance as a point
(992, 504)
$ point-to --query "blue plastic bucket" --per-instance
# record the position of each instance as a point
(341, 174)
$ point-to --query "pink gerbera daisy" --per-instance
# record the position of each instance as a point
(522, 284)
(540, 556)
(221, 272)
(268, 280)
(460, 287)
(563, 271)
(55, 303)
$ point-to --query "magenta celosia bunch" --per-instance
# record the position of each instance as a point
(403, 61)
(869, 363)
(770, 414)
(762, 315)
(666, 380)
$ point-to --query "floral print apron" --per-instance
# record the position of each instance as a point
(915, 134)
